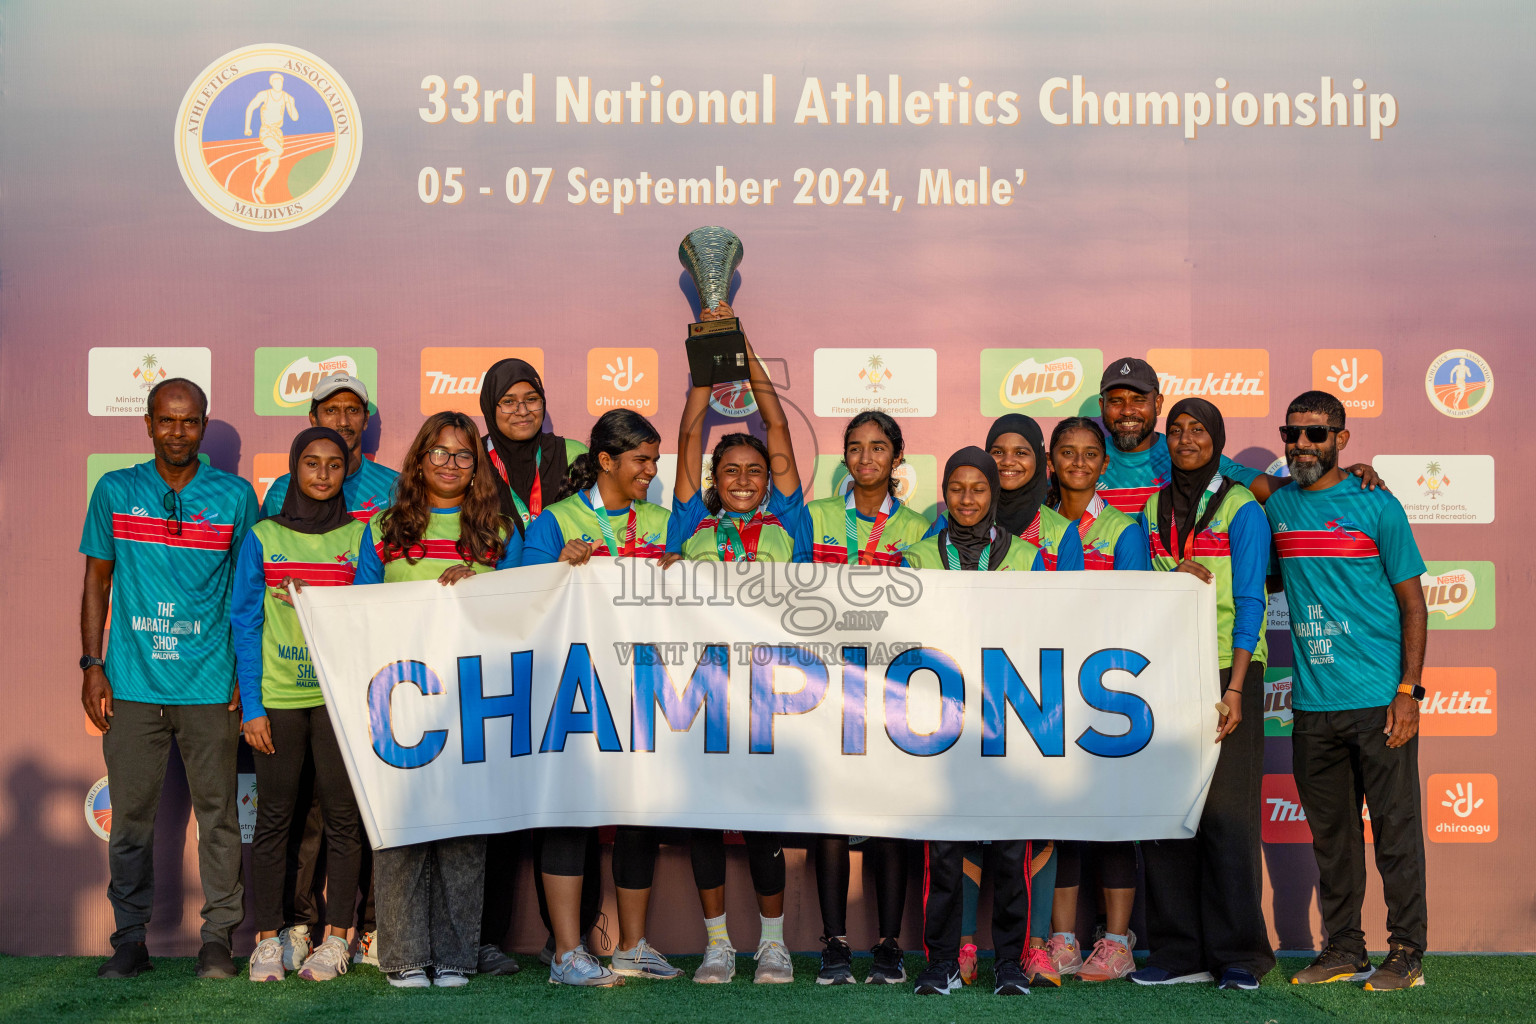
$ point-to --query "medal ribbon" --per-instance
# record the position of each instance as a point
(734, 543)
(952, 556)
(867, 556)
(527, 513)
(596, 501)
(1186, 544)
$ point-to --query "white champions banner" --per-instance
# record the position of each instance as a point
(761, 696)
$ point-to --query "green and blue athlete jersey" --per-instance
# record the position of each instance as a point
(573, 519)
(691, 529)
(1235, 548)
(1022, 556)
(824, 523)
(1341, 550)
(434, 553)
(172, 574)
(1131, 478)
(368, 491)
(1104, 538)
(271, 654)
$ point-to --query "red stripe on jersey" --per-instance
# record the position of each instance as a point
(1325, 544)
(1129, 500)
(448, 550)
(640, 550)
(362, 515)
(837, 554)
(1206, 545)
(1098, 560)
(1032, 532)
(314, 574)
(152, 530)
(1048, 559)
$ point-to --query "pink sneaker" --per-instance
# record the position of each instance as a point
(1066, 957)
(968, 963)
(1109, 961)
(1039, 969)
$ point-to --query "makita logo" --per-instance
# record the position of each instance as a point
(1454, 703)
(1460, 702)
(1281, 809)
(1229, 384)
(450, 384)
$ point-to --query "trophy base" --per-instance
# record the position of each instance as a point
(717, 352)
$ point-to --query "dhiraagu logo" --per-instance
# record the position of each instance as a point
(1040, 381)
(286, 377)
(1460, 595)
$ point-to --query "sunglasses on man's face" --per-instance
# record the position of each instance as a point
(1316, 433)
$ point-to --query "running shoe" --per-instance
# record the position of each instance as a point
(719, 965)
(642, 962)
(836, 962)
(267, 961)
(968, 963)
(774, 966)
(450, 977)
(491, 960)
(580, 968)
(938, 979)
(214, 962)
(1066, 957)
(1235, 979)
(1403, 968)
(413, 977)
(327, 962)
(128, 960)
(367, 949)
(1109, 961)
(890, 965)
(1009, 979)
(1159, 976)
(296, 946)
(1334, 964)
(1039, 969)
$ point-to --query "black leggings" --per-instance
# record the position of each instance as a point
(295, 734)
(888, 859)
(1116, 861)
(765, 859)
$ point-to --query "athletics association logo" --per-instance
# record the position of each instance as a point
(268, 137)
(98, 809)
(1459, 383)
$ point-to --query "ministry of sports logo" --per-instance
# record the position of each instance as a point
(268, 137)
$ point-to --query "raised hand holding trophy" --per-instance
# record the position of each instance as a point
(717, 348)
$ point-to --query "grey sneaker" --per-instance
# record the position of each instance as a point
(773, 965)
(491, 960)
(719, 965)
(327, 962)
(642, 962)
(267, 961)
(578, 967)
(296, 945)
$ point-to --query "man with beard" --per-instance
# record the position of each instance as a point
(160, 540)
(1351, 572)
(1130, 402)
(340, 402)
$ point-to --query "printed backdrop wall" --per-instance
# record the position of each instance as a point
(948, 212)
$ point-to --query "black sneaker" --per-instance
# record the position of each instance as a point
(547, 954)
(1010, 979)
(214, 961)
(939, 978)
(491, 960)
(1403, 968)
(836, 962)
(128, 961)
(1334, 964)
(890, 965)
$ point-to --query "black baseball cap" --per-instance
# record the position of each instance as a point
(1136, 374)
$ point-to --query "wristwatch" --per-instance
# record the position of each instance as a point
(87, 661)
(1416, 691)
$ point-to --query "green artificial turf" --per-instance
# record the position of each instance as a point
(1460, 988)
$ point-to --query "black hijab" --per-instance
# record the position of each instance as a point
(1017, 509)
(1182, 496)
(971, 541)
(301, 513)
(518, 457)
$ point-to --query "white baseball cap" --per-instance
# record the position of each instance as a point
(335, 382)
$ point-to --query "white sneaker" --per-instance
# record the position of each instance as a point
(413, 977)
(774, 966)
(642, 962)
(580, 968)
(367, 951)
(449, 977)
(267, 961)
(327, 962)
(296, 945)
(719, 965)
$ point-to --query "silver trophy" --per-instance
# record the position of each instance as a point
(717, 348)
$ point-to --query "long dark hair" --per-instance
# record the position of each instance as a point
(725, 444)
(482, 526)
(617, 431)
(1053, 493)
(888, 427)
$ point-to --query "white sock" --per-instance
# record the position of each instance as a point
(772, 929)
(714, 927)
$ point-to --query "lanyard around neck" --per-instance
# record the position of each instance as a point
(952, 556)
(734, 543)
(595, 499)
(1186, 544)
(527, 513)
(867, 556)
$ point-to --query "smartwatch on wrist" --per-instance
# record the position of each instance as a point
(1414, 690)
(87, 661)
